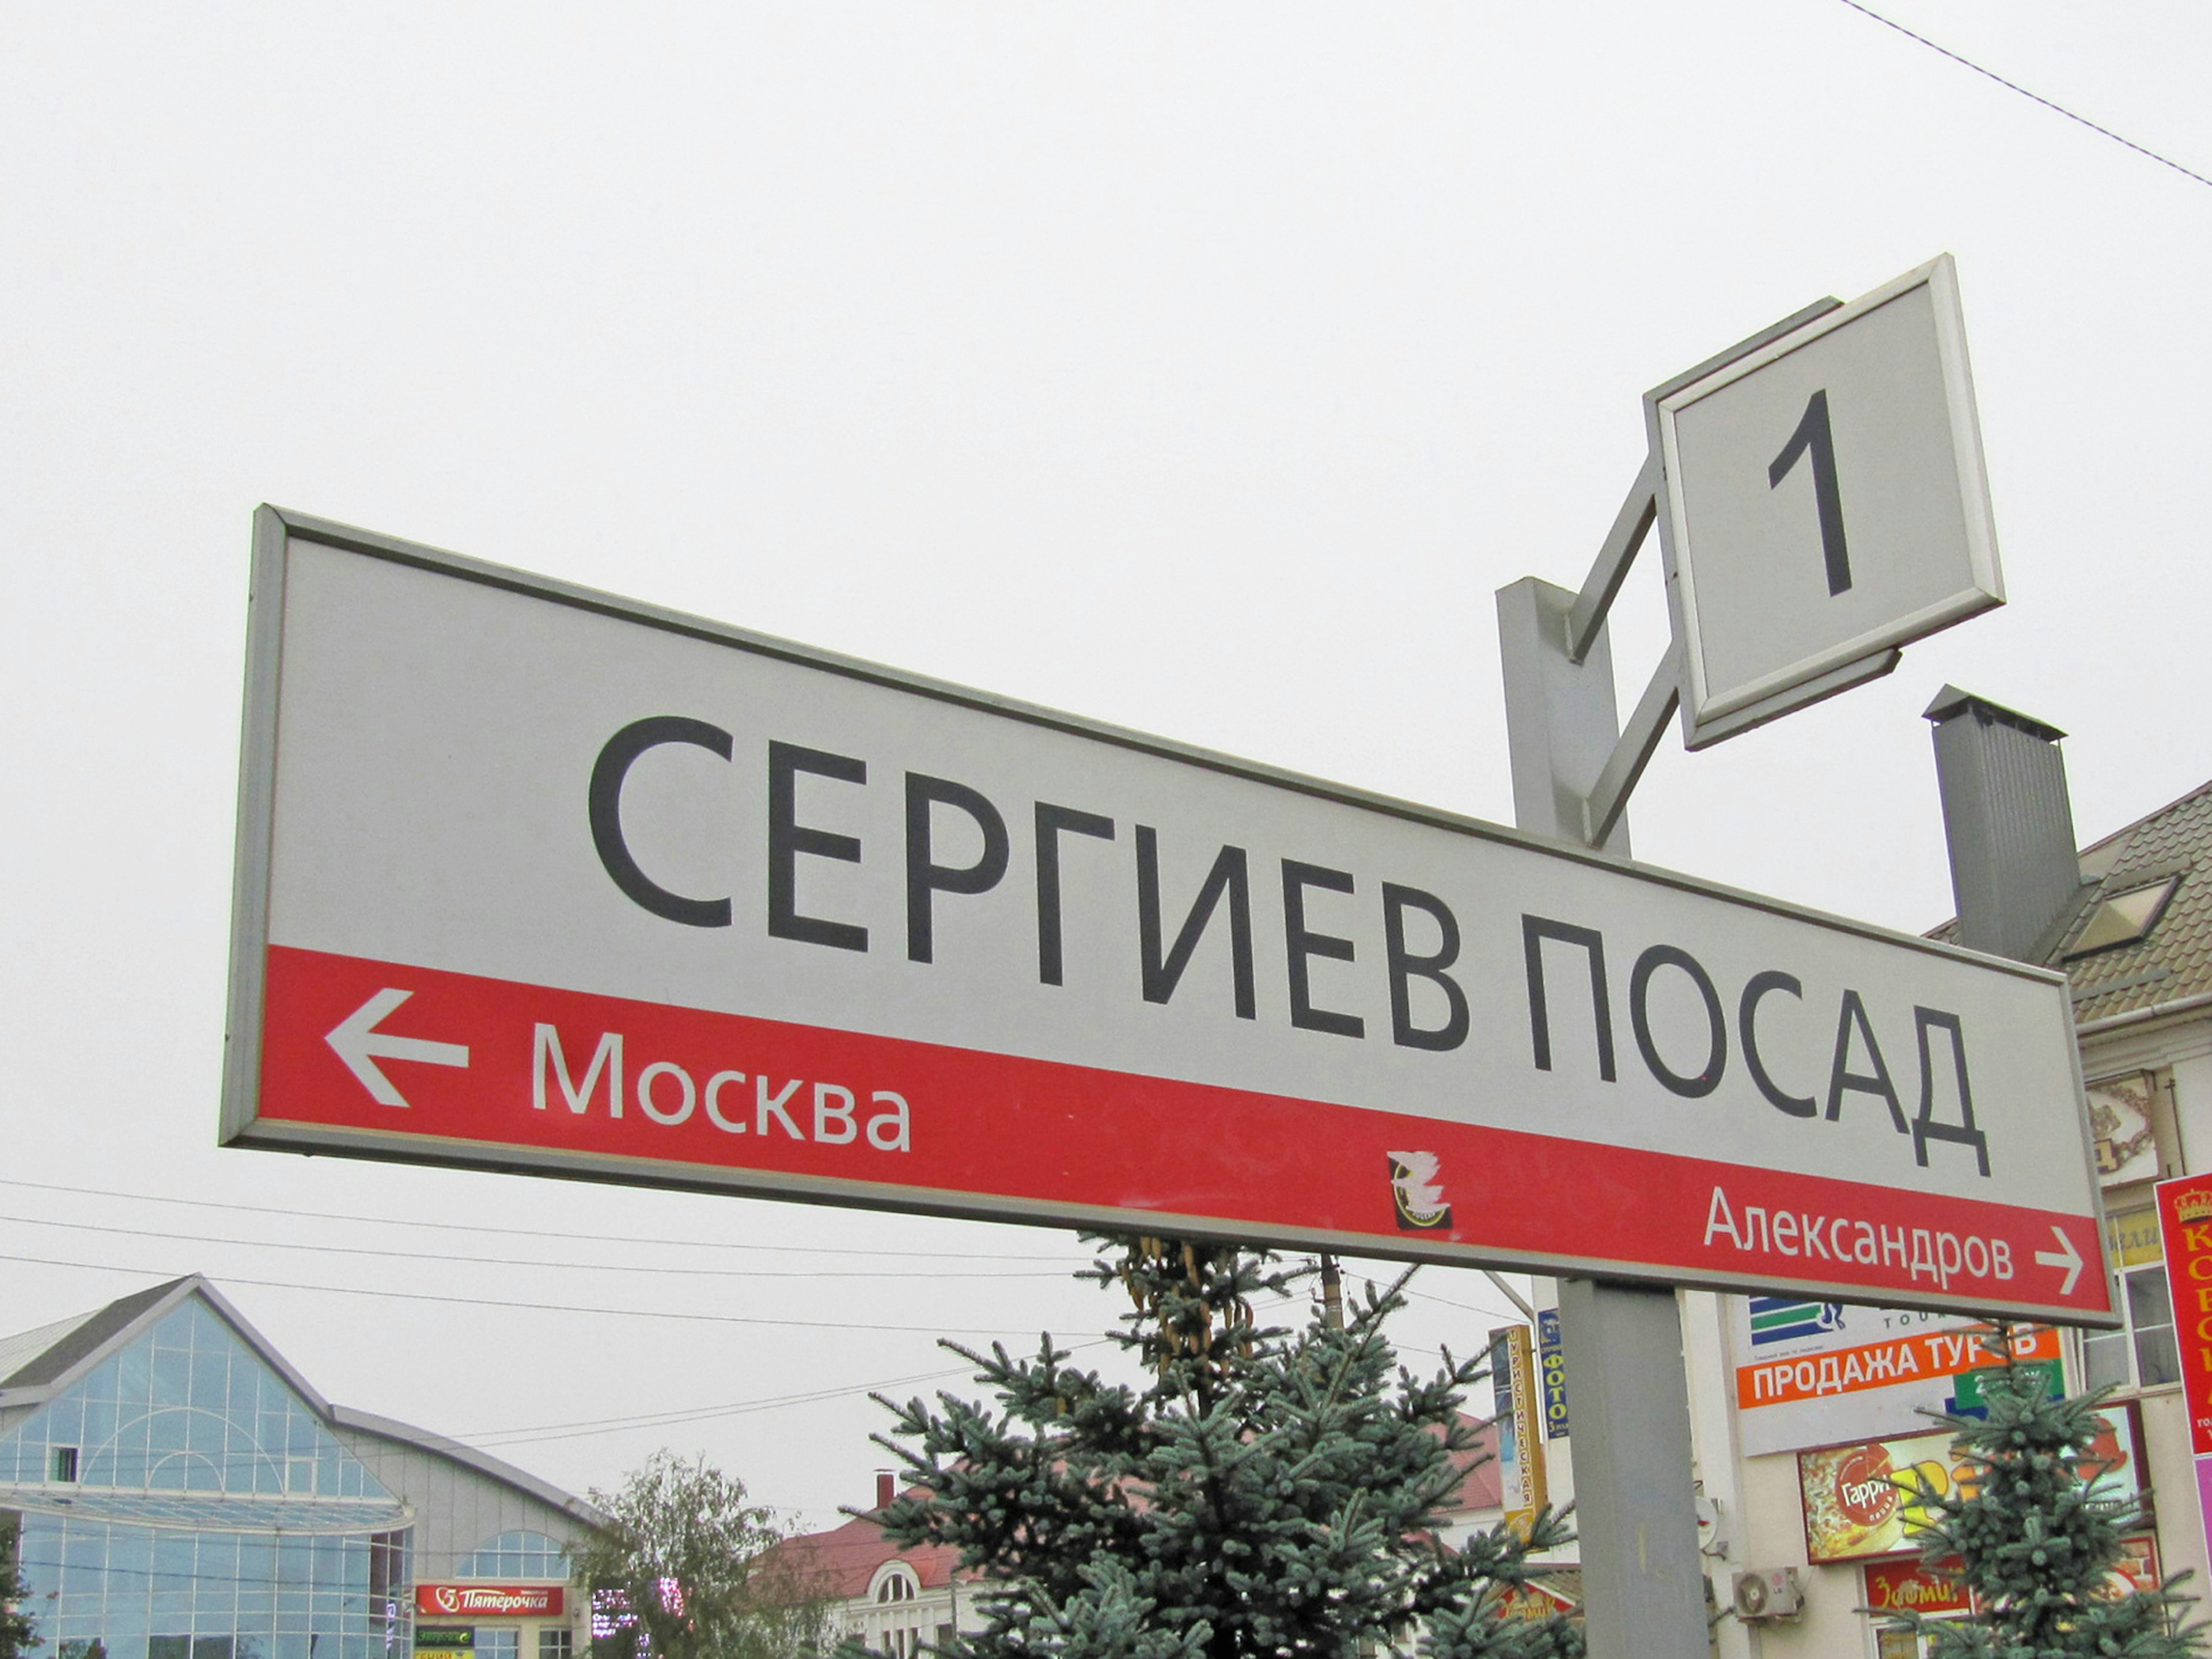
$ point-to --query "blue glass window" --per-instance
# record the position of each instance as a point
(515, 1555)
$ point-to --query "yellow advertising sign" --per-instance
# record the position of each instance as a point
(1864, 1500)
(1522, 1489)
(1855, 1504)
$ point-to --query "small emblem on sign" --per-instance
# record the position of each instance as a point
(1413, 1190)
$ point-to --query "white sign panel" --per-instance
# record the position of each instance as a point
(1824, 502)
(536, 878)
(1812, 1373)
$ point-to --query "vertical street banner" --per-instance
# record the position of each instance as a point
(535, 878)
(1522, 1484)
(2185, 1221)
(1552, 1365)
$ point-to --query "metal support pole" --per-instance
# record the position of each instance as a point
(1643, 1581)
(1628, 1394)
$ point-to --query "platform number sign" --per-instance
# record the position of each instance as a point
(1813, 438)
(1824, 503)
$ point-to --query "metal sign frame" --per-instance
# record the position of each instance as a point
(244, 1123)
(1708, 717)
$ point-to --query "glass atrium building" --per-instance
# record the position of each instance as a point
(173, 1490)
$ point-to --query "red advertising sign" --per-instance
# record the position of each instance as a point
(2185, 1221)
(2137, 1570)
(1912, 1587)
(490, 1601)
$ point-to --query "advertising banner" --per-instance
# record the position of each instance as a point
(1860, 1500)
(490, 1601)
(2184, 1220)
(1521, 1483)
(537, 878)
(2185, 1223)
(1815, 1373)
(1911, 1586)
(1551, 1366)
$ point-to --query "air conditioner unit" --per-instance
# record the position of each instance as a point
(1768, 1593)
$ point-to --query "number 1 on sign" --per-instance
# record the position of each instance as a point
(1813, 436)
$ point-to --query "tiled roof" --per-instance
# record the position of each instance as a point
(2173, 961)
(838, 1563)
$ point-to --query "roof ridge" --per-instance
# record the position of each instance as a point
(2178, 802)
(88, 1333)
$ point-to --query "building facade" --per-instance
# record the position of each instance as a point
(174, 1489)
(1801, 1459)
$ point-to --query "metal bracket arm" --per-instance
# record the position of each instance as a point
(1630, 526)
(1632, 752)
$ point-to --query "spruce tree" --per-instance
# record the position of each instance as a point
(1263, 1493)
(2030, 1542)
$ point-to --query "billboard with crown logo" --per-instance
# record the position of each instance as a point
(2185, 1216)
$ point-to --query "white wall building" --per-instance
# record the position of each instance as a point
(1797, 1479)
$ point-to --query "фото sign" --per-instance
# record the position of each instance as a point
(1824, 502)
(1551, 1366)
(535, 878)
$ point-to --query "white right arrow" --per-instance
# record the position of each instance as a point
(356, 1041)
(2065, 1257)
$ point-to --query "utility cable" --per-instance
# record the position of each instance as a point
(513, 1232)
(589, 1426)
(513, 1261)
(2036, 97)
(543, 1307)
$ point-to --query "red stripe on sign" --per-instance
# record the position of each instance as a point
(462, 1059)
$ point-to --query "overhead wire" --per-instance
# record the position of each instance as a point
(2035, 97)
(541, 1307)
(587, 1426)
(512, 1261)
(516, 1232)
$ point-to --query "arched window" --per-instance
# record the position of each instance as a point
(515, 1555)
(898, 1585)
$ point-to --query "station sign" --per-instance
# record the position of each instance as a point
(1824, 502)
(533, 878)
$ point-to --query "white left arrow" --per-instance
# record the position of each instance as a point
(2065, 1256)
(356, 1041)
